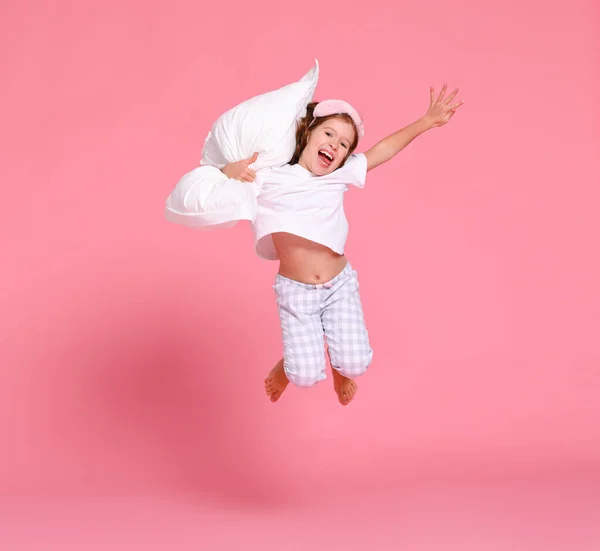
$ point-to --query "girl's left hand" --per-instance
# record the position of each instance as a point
(440, 110)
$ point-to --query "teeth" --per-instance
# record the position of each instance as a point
(327, 155)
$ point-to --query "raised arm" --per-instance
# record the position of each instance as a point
(439, 113)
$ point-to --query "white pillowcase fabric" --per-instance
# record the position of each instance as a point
(205, 198)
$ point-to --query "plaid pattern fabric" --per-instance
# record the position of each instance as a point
(310, 313)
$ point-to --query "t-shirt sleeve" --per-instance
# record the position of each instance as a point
(354, 171)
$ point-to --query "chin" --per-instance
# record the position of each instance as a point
(322, 170)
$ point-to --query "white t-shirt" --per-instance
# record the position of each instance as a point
(294, 200)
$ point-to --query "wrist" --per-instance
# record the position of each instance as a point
(426, 123)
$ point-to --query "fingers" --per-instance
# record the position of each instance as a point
(248, 175)
(450, 115)
(451, 96)
(456, 105)
(240, 170)
(442, 93)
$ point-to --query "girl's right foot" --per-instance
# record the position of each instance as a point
(276, 382)
(344, 387)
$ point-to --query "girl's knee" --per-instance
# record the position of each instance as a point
(304, 378)
(356, 366)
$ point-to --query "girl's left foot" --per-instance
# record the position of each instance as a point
(276, 382)
(344, 387)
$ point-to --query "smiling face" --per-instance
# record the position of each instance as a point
(328, 146)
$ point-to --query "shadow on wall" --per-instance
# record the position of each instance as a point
(168, 377)
(132, 392)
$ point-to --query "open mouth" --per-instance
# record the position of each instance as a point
(325, 158)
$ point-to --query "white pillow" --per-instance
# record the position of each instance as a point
(205, 197)
(265, 124)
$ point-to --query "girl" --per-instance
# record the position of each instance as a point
(300, 221)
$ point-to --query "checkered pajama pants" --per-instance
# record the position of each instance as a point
(308, 313)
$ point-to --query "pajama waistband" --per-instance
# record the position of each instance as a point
(326, 285)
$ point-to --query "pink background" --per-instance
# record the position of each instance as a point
(133, 351)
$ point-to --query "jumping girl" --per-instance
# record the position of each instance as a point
(301, 223)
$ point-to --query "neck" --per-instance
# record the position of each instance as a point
(302, 163)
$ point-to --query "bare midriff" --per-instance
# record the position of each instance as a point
(306, 261)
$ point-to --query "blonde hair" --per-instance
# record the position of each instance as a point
(305, 129)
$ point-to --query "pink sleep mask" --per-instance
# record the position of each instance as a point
(339, 107)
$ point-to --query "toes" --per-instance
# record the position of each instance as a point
(348, 394)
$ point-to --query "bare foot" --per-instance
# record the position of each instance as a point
(276, 382)
(344, 387)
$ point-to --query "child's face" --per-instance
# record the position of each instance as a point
(327, 146)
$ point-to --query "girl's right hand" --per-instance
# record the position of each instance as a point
(240, 170)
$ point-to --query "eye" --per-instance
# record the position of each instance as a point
(345, 145)
(328, 134)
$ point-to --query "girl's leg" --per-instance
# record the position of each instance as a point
(344, 387)
(347, 337)
(303, 338)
